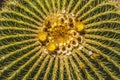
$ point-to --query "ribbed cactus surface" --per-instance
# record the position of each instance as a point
(30, 52)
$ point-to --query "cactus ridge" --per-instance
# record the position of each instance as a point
(22, 55)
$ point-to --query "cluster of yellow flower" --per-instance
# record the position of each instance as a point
(59, 31)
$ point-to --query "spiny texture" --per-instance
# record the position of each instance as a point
(21, 53)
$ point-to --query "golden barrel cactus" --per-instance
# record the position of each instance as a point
(60, 40)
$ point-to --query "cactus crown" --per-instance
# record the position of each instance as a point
(60, 40)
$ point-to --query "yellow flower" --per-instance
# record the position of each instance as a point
(79, 26)
(42, 36)
(51, 46)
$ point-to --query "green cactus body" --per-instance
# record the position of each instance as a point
(60, 40)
